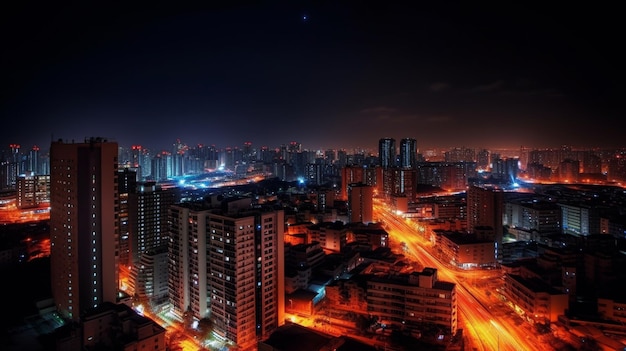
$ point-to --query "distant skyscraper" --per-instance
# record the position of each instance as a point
(617, 169)
(83, 224)
(408, 153)
(342, 157)
(32, 190)
(387, 152)
(161, 168)
(33, 160)
(505, 169)
(314, 174)
(483, 159)
(10, 168)
(569, 170)
(136, 161)
(460, 154)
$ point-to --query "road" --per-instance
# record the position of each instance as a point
(484, 330)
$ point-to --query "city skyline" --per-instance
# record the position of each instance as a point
(326, 74)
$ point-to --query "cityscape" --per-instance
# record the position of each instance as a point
(245, 248)
(312, 176)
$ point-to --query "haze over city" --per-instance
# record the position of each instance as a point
(326, 74)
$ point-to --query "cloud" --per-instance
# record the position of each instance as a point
(438, 86)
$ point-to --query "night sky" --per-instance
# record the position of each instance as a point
(328, 74)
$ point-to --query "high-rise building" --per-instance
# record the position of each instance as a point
(136, 161)
(148, 210)
(579, 219)
(387, 152)
(150, 277)
(33, 160)
(360, 203)
(161, 166)
(483, 159)
(148, 207)
(387, 163)
(350, 175)
(569, 170)
(126, 184)
(408, 153)
(83, 225)
(33, 190)
(447, 175)
(460, 154)
(314, 174)
(227, 265)
(404, 182)
(485, 206)
(10, 167)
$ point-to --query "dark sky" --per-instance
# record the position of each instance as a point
(481, 74)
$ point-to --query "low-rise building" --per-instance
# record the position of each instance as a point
(466, 250)
(113, 327)
(536, 299)
(612, 309)
(413, 300)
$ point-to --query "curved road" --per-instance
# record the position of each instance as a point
(486, 331)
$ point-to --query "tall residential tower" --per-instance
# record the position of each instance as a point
(83, 224)
(387, 152)
(408, 153)
(227, 265)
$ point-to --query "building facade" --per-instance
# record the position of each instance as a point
(387, 152)
(360, 203)
(408, 153)
(485, 207)
(414, 300)
(227, 265)
(33, 190)
(83, 224)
